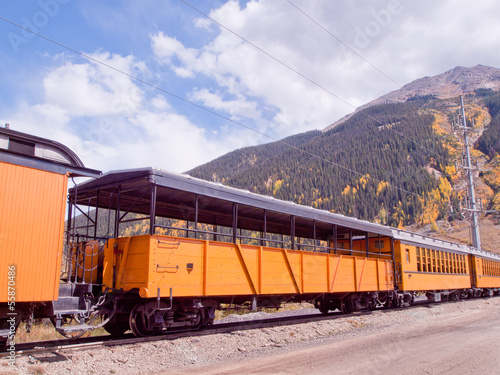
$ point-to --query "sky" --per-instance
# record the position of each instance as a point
(174, 84)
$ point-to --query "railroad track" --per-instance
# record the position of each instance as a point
(128, 339)
(86, 342)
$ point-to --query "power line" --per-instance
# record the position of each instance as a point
(303, 75)
(354, 28)
(362, 58)
(135, 78)
(343, 43)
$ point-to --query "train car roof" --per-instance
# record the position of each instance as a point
(40, 153)
(183, 187)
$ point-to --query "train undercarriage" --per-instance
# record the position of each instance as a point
(78, 310)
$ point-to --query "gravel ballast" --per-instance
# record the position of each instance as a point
(181, 355)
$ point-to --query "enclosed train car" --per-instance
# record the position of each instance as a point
(34, 176)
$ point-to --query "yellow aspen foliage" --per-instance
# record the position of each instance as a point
(346, 190)
(450, 170)
(399, 216)
(364, 180)
(382, 185)
(496, 202)
(440, 125)
(445, 188)
(277, 186)
(492, 177)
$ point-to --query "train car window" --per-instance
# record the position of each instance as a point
(429, 269)
(424, 261)
(407, 255)
(438, 253)
(419, 265)
(22, 147)
(433, 261)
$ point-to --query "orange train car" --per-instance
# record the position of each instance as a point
(486, 271)
(211, 271)
(149, 250)
(34, 175)
(205, 244)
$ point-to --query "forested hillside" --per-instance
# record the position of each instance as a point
(489, 144)
(392, 163)
(375, 166)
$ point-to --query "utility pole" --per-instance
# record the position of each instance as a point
(471, 205)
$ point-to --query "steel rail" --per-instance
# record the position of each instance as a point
(127, 339)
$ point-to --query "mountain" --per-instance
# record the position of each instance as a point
(455, 82)
(392, 162)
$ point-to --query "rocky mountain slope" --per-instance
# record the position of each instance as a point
(455, 82)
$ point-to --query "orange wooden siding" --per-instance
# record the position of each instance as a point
(487, 273)
(207, 268)
(442, 271)
(32, 206)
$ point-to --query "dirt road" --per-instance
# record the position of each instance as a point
(467, 344)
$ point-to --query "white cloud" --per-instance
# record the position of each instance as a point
(90, 89)
(237, 107)
(113, 121)
(397, 40)
(112, 124)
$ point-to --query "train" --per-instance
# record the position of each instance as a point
(148, 251)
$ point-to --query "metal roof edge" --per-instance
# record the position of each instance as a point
(47, 165)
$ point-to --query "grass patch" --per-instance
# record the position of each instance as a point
(227, 310)
(44, 330)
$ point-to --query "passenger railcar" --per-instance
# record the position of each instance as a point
(34, 176)
(149, 250)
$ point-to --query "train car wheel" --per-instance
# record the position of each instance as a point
(116, 328)
(139, 319)
(347, 305)
(323, 307)
(200, 321)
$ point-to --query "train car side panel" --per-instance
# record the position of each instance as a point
(32, 206)
(315, 272)
(487, 273)
(126, 262)
(196, 268)
(229, 270)
(425, 269)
